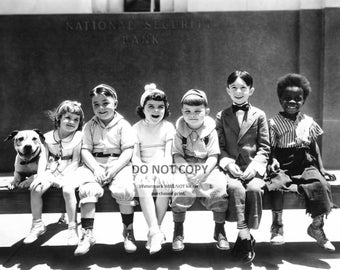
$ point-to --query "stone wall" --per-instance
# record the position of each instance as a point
(49, 58)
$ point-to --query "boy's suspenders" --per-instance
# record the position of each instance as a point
(185, 139)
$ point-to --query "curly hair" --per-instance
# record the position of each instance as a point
(293, 79)
(67, 106)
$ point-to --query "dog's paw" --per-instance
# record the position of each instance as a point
(11, 186)
(25, 184)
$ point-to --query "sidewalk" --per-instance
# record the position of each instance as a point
(50, 252)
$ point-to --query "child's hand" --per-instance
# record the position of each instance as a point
(191, 177)
(99, 175)
(197, 178)
(58, 183)
(248, 174)
(275, 166)
(36, 184)
(234, 170)
(328, 176)
(111, 173)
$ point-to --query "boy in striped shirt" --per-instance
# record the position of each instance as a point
(296, 163)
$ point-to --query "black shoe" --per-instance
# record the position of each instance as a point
(244, 249)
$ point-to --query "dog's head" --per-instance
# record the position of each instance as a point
(27, 143)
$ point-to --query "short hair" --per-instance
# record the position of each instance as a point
(244, 75)
(293, 79)
(104, 89)
(157, 96)
(67, 106)
(194, 97)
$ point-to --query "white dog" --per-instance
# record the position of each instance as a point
(30, 159)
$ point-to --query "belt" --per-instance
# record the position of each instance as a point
(57, 157)
(101, 154)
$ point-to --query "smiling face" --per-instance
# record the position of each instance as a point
(194, 115)
(104, 107)
(292, 99)
(154, 111)
(69, 123)
(27, 144)
(239, 91)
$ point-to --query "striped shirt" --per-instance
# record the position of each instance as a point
(286, 133)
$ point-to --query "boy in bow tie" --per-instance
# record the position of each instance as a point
(244, 143)
(195, 146)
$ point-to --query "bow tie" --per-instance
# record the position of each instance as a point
(244, 107)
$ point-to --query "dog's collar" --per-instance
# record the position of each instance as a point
(25, 162)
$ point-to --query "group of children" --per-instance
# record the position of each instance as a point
(226, 163)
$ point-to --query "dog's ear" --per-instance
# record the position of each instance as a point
(12, 135)
(42, 137)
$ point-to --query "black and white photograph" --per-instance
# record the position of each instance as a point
(169, 134)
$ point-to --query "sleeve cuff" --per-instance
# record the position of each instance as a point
(224, 162)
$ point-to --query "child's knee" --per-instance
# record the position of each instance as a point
(144, 191)
(255, 186)
(164, 184)
(236, 188)
(37, 192)
(68, 190)
(122, 192)
(144, 187)
(217, 205)
(90, 192)
(181, 203)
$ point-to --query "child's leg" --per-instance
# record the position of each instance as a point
(145, 187)
(178, 236)
(162, 204)
(38, 227)
(183, 197)
(253, 202)
(70, 203)
(164, 185)
(279, 183)
(153, 211)
(71, 210)
(87, 212)
(37, 201)
(214, 191)
(237, 195)
(276, 228)
(316, 231)
(87, 221)
(89, 192)
(244, 245)
(123, 190)
(318, 198)
(157, 240)
(127, 213)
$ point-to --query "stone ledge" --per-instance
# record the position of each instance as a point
(18, 200)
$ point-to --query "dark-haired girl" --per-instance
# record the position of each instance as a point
(153, 153)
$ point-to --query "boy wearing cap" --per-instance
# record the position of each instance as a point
(107, 148)
(244, 143)
(195, 152)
